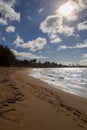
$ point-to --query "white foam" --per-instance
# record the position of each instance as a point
(72, 80)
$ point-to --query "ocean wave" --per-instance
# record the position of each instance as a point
(72, 80)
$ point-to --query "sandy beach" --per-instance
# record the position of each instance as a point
(27, 103)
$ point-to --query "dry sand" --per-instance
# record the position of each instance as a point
(30, 104)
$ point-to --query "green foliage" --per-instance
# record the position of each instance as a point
(7, 58)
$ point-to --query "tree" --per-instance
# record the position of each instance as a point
(7, 58)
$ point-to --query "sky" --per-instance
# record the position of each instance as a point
(48, 30)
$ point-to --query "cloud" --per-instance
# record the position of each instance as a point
(54, 24)
(67, 30)
(77, 35)
(13, 2)
(3, 21)
(77, 5)
(82, 26)
(69, 5)
(10, 29)
(29, 18)
(8, 12)
(54, 38)
(77, 46)
(26, 55)
(18, 41)
(85, 55)
(63, 47)
(51, 24)
(81, 45)
(80, 4)
(33, 45)
(83, 62)
(40, 10)
(3, 39)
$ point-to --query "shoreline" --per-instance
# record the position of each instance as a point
(56, 83)
(41, 106)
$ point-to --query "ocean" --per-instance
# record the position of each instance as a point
(71, 80)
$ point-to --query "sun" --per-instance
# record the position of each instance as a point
(66, 9)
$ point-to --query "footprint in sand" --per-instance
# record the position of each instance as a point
(75, 119)
(67, 114)
(80, 126)
(84, 120)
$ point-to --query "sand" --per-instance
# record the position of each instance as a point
(27, 103)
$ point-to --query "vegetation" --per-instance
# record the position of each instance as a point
(34, 63)
(7, 59)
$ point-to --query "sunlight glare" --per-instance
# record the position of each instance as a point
(66, 9)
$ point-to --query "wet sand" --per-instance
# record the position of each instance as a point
(27, 103)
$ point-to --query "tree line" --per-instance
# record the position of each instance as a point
(7, 58)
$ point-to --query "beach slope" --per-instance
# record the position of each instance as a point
(27, 103)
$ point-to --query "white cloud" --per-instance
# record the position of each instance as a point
(79, 5)
(73, 8)
(29, 18)
(3, 39)
(63, 47)
(13, 2)
(82, 26)
(33, 45)
(8, 12)
(10, 29)
(77, 35)
(81, 45)
(83, 62)
(67, 30)
(51, 24)
(3, 21)
(40, 10)
(26, 55)
(18, 41)
(54, 24)
(85, 55)
(78, 46)
(54, 38)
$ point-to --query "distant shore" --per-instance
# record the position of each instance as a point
(28, 103)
